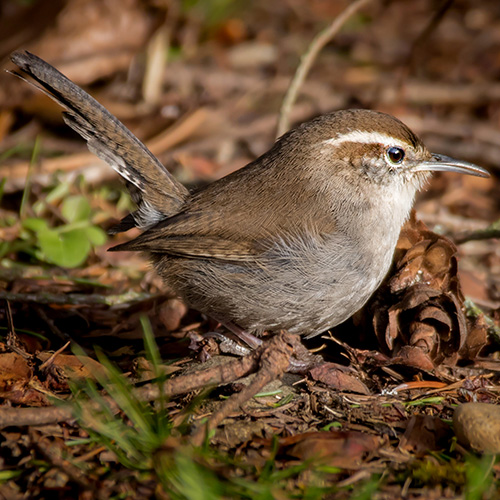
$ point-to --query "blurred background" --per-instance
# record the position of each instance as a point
(434, 64)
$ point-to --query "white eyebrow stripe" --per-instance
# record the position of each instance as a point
(365, 137)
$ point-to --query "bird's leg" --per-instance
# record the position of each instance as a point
(300, 362)
(228, 345)
(250, 340)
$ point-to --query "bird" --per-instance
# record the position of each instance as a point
(297, 240)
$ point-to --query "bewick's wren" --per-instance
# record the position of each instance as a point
(299, 239)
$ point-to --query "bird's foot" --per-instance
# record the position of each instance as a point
(301, 359)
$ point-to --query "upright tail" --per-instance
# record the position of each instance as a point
(156, 192)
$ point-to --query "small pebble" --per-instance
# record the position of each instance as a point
(477, 426)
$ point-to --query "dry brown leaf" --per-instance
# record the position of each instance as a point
(476, 338)
(336, 377)
(68, 366)
(344, 449)
(92, 39)
(425, 433)
(413, 356)
(13, 367)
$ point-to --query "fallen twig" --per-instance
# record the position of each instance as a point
(54, 455)
(307, 60)
(77, 299)
(274, 361)
(492, 231)
(212, 376)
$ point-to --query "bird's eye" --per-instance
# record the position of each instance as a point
(395, 154)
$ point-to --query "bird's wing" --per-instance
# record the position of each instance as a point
(237, 218)
(194, 235)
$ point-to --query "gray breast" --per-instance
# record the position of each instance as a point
(303, 285)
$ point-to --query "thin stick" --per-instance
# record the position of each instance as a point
(493, 231)
(274, 361)
(183, 384)
(308, 58)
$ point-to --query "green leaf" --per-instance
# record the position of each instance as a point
(69, 249)
(58, 192)
(3, 181)
(96, 235)
(35, 224)
(76, 208)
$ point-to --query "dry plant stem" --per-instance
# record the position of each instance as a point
(157, 59)
(274, 361)
(50, 360)
(423, 38)
(484, 234)
(34, 416)
(180, 385)
(76, 298)
(156, 63)
(12, 340)
(54, 456)
(307, 60)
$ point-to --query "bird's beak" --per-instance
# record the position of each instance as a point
(447, 164)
